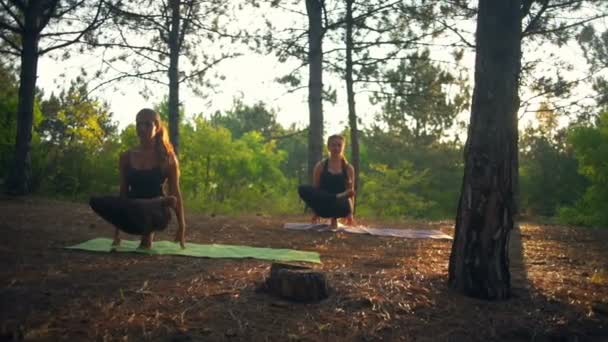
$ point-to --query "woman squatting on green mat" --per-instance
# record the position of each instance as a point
(332, 192)
(142, 207)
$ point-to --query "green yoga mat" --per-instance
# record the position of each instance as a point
(198, 250)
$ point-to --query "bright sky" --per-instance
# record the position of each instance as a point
(251, 78)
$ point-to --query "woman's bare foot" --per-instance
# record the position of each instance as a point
(146, 241)
(349, 220)
(334, 223)
(116, 241)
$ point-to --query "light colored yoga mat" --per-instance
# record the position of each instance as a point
(198, 250)
(403, 233)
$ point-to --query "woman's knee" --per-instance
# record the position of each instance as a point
(305, 191)
(95, 202)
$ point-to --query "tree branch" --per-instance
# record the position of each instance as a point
(206, 68)
(96, 22)
(363, 15)
(536, 17)
(20, 4)
(12, 14)
(185, 22)
(12, 44)
(290, 91)
(285, 136)
(462, 39)
(8, 27)
(528, 100)
(526, 5)
(565, 27)
(45, 18)
(140, 75)
(10, 52)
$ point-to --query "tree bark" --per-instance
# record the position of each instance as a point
(314, 9)
(18, 179)
(350, 93)
(479, 262)
(174, 74)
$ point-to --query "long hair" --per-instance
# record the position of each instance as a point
(162, 144)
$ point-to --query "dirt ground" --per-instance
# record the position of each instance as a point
(383, 288)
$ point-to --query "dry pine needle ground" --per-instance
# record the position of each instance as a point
(383, 288)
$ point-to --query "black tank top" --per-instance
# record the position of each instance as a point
(145, 183)
(333, 183)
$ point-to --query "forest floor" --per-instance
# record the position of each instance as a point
(383, 288)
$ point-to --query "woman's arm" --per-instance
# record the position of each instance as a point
(350, 184)
(316, 175)
(350, 170)
(123, 165)
(316, 183)
(350, 187)
(174, 190)
(350, 193)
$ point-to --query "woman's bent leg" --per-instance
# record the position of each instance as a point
(320, 201)
(133, 216)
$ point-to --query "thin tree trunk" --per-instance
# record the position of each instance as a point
(479, 262)
(314, 8)
(174, 74)
(18, 180)
(350, 92)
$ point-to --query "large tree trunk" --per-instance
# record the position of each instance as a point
(174, 74)
(479, 263)
(18, 180)
(350, 93)
(314, 8)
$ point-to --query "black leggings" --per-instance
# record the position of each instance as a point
(131, 215)
(323, 203)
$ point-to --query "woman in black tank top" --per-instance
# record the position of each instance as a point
(142, 207)
(332, 193)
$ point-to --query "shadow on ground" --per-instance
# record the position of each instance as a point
(384, 288)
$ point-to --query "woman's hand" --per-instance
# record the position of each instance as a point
(347, 193)
(180, 236)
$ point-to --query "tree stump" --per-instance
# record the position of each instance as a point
(296, 283)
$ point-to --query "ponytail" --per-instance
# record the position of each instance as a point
(163, 147)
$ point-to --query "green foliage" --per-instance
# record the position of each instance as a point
(162, 109)
(8, 117)
(548, 169)
(222, 174)
(548, 174)
(441, 163)
(419, 104)
(254, 165)
(390, 192)
(294, 143)
(77, 151)
(9, 87)
(590, 148)
(243, 118)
